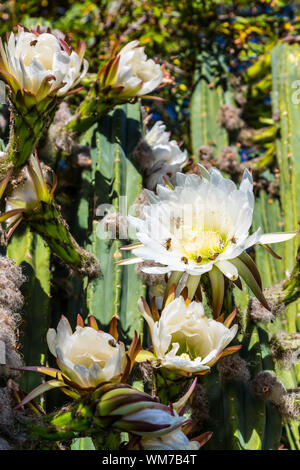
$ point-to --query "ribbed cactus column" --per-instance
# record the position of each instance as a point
(285, 73)
(205, 129)
(31, 251)
(267, 215)
(113, 176)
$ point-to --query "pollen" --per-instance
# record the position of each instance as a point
(185, 356)
(199, 246)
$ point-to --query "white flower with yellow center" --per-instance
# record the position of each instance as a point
(202, 226)
(175, 440)
(168, 158)
(40, 64)
(87, 357)
(184, 339)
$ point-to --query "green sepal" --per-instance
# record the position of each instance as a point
(250, 280)
(218, 289)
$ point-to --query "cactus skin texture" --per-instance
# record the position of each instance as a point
(30, 251)
(238, 419)
(207, 98)
(285, 72)
(113, 175)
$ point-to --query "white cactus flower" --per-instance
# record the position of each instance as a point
(87, 356)
(40, 63)
(168, 158)
(175, 440)
(136, 74)
(184, 339)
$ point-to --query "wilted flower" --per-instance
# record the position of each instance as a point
(202, 226)
(185, 340)
(87, 357)
(27, 196)
(39, 64)
(166, 154)
(130, 74)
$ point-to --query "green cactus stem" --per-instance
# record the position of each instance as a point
(48, 222)
(28, 122)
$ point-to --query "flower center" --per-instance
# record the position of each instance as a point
(187, 346)
(185, 356)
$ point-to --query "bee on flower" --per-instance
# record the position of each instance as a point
(39, 69)
(39, 64)
(202, 226)
(87, 357)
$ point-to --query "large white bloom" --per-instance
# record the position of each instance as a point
(175, 440)
(41, 63)
(203, 222)
(87, 356)
(136, 74)
(168, 158)
(184, 339)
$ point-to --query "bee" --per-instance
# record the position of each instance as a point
(184, 260)
(233, 240)
(178, 222)
(198, 259)
(33, 43)
(112, 343)
(167, 243)
(214, 256)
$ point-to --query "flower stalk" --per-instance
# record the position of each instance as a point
(27, 125)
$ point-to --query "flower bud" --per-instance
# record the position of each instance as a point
(129, 74)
